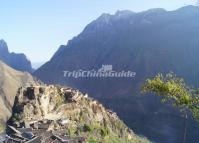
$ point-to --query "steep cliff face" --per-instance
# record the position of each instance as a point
(10, 81)
(15, 60)
(83, 115)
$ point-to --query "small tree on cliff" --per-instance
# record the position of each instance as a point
(173, 90)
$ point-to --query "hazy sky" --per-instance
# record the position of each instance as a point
(38, 27)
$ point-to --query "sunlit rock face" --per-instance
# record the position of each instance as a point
(72, 111)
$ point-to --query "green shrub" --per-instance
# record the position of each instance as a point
(72, 131)
(59, 100)
(104, 132)
(87, 128)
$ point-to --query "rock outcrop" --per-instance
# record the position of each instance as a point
(69, 109)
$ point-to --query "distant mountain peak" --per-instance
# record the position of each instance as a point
(123, 13)
(156, 10)
(2, 41)
(15, 60)
(105, 17)
(3, 46)
(189, 8)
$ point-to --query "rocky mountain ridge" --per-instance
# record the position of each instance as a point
(18, 61)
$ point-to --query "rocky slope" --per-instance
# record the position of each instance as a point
(147, 43)
(16, 61)
(10, 81)
(83, 115)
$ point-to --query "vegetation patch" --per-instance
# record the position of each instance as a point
(59, 100)
(2, 127)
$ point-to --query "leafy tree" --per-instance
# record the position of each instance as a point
(173, 90)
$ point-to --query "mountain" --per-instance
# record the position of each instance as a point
(10, 81)
(147, 43)
(58, 109)
(16, 61)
